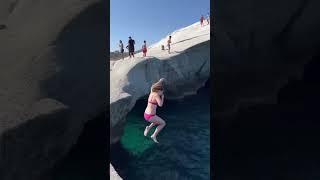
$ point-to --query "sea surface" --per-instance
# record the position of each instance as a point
(184, 148)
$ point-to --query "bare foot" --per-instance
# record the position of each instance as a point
(154, 139)
(146, 130)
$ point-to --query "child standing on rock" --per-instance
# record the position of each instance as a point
(144, 48)
(201, 20)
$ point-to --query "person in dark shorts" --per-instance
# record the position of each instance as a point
(130, 47)
(121, 48)
(169, 44)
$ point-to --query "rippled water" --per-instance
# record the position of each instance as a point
(184, 149)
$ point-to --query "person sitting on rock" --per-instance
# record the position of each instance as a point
(155, 99)
(144, 48)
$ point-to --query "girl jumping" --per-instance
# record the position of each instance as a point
(155, 99)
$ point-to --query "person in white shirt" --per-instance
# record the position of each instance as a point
(121, 48)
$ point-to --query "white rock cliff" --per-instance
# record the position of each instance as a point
(186, 69)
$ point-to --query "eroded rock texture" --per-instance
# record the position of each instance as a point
(186, 69)
(265, 79)
(53, 80)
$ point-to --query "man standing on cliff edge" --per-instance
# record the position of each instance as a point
(130, 47)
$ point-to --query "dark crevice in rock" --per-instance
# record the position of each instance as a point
(33, 141)
(81, 58)
(119, 159)
(275, 137)
(264, 138)
(88, 157)
(2, 26)
(13, 5)
(71, 71)
(280, 40)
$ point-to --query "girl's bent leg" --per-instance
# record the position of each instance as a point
(146, 130)
(161, 125)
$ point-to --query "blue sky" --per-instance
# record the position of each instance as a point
(151, 20)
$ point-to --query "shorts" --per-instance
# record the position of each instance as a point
(131, 49)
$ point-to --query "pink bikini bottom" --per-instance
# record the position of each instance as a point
(147, 117)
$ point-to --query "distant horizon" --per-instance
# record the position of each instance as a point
(135, 19)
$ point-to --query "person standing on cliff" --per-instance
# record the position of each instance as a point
(130, 47)
(144, 48)
(155, 99)
(169, 43)
(121, 48)
(201, 20)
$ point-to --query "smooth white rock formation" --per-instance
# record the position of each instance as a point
(185, 69)
(113, 174)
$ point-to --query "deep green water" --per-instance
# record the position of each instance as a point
(184, 149)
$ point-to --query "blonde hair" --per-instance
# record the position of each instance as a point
(158, 86)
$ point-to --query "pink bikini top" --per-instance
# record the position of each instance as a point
(154, 103)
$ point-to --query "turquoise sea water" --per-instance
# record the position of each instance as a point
(184, 149)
